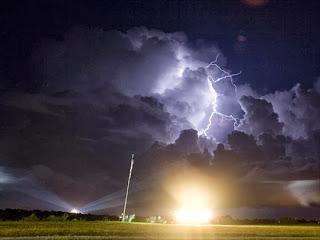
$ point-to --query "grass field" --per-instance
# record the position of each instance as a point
(115, 230)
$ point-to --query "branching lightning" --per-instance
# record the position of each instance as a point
(215, 95)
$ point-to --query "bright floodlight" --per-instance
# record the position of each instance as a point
(188, 215)
(74, 210)
(193, 208)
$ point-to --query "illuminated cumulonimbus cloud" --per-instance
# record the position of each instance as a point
(195, 86)
(192, 90)
(187, 86)
(147, 63)
(187, 79)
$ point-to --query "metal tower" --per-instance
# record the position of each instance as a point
(127, 192)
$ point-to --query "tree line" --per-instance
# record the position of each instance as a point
(41, 215)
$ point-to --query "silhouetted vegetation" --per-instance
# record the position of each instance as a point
(39, 215)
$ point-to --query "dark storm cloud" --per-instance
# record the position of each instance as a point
(132, 63)
(263, 167)
(298, 109)
(245, 174)
(137, 62)
(71, 142)
(259, 117)
(268, 155)
(286, 128)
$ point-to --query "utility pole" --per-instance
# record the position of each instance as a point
(128, 185)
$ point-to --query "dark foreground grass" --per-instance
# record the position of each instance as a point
(116, 230)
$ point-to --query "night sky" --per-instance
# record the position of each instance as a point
(84, 84)
(280, 46)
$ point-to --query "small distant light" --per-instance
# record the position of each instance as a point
(74, 210)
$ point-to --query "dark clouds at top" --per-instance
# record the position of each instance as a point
(100, 95)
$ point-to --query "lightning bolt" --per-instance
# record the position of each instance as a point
(211, 81)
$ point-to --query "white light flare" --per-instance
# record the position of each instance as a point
(194, 206)
(75, 211)
(214, 95)
(193, 216)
